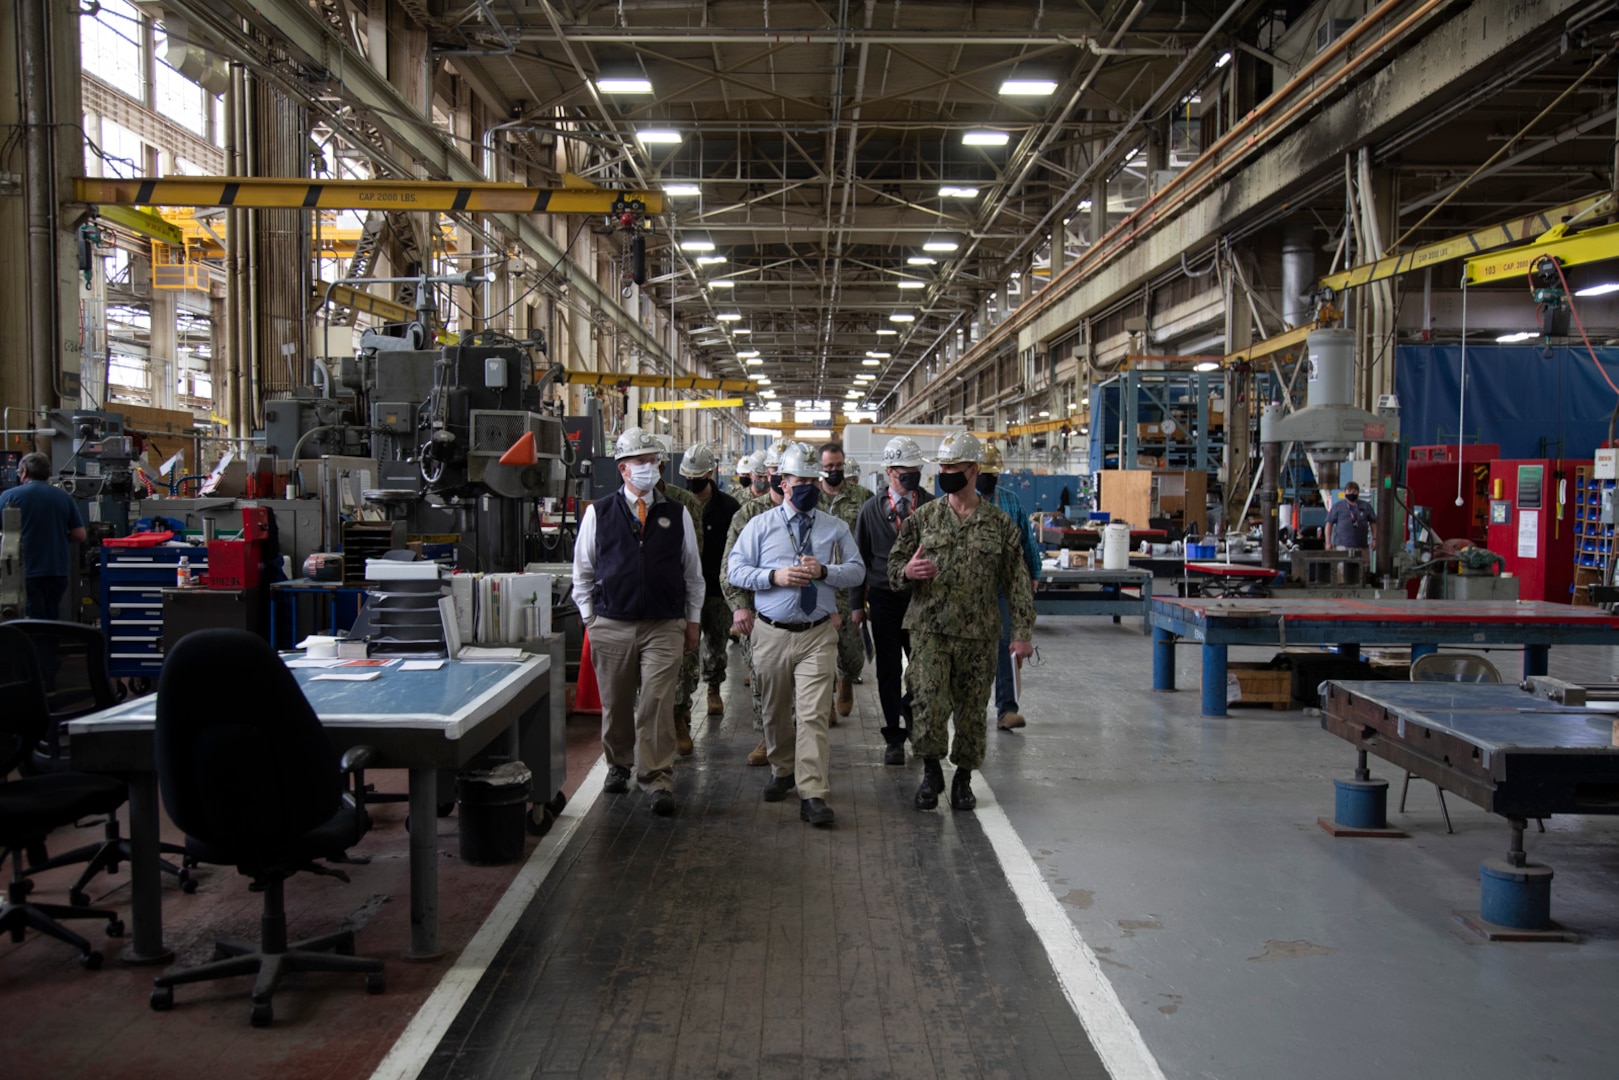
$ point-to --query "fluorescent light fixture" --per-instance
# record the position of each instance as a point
(679, 191)
(741, 331)
(1084, 204)
(1225, 58)
(863, 377)
(722, 283)
(710, 260)
(912, 283)
(868, 362)
(1045, 412)
(696, 243)
(658, 136)
(1086, 400)
(623, 85)
(1028, 88)
(771, 394)
(813, 433)
(854, 394)
(957, 191)
(1513, 339)
(1206, 365)
(941, 243)
(1598, 290)
(729, 316)
(921, 260)
(902, 316)
(879, 356)
(885, 332)
(984, 138)
(762, 380)
(747, 354)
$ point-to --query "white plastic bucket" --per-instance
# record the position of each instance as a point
(1116, 546)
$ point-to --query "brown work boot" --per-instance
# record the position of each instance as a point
(1010, 720)
(845, 695)
(716, 704)
(759, 755)
(683, 745)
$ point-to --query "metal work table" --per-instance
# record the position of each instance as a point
(422, 721)
(1424, 625)
(325, 594)
(1086, 591)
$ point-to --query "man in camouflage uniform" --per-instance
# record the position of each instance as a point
(957, 555)
(842, 497)
(688, 663)
(765, 464)
(697, 469)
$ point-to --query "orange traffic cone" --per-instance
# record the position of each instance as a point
(587, 696)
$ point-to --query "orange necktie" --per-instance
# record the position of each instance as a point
(640, 511)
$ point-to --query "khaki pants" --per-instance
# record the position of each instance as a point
(797, 669)
(645, 655)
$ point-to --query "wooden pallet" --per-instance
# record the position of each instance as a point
(1260, 685)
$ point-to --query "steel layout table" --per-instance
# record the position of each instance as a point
(1087, 591)
(1496, 746)
(422, 721)
(1424, 625)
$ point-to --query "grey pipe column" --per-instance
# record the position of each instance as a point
(1270, 464)
(43, 363)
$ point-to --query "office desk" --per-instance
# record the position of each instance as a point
(422, 721)
(1424, 625)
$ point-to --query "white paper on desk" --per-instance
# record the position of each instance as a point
(348, 676)
(307, 662)
(475, 655)
(421, 665)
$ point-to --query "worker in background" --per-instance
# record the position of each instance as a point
(842, 496)
(1350, 521)
(51, 524)
(638, 584)
(792, 558)
(688, 663)
(1007, 716)
(744, 479)
(698, 469)
(767, 481)
(956, 555)
(875, 531)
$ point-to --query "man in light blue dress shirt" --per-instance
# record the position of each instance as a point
(793, 559)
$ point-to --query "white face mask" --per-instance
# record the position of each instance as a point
(644, 476)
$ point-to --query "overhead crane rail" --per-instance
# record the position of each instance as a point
(273, 193)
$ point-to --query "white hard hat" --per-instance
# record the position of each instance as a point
(902, 452)
(635, 442)
(773, 455)
(743, 466)
(800, 460)
(959, 447)
(851, 467)
(666, 444)
(699, 461)
(756, 462)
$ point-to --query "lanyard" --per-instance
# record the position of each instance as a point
(804, 545)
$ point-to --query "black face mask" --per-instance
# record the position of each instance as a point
(952, 482)
(986, 484)
(834, 477)
(744, 481)
(697, 484)
(775, 482)
(1352, 496)
(804, 497)
(910, 481)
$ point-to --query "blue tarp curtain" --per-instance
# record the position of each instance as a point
(1529, 405)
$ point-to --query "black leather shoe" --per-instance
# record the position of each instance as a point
(894, 754)
(927, 796)
(618, 780)
(961, 791)
(815, 811)
(777, 789)
(663, 803)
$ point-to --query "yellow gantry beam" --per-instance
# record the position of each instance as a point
(145, 223)
(931, 432)
(686, 382)
(1512, 266)
(705, 403)
(293, 194)
(1515, 231)
(1287, 340)
(1038, 427)
(350, 297)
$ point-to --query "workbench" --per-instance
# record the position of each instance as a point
(1083, 590)
(1423, 625)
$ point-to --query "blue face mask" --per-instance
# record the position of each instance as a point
(804, 497)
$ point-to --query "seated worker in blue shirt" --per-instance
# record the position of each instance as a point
(793, 559)
(50, 525)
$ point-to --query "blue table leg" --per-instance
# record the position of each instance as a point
(1214, 677)
(1419, 651)
(1163, 659)
(1535, 658)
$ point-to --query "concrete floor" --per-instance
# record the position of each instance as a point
(1246, 942)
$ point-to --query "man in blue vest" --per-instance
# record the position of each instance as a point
(50, 524)
(638, 584)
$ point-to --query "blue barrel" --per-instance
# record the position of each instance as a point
(1517, 897)
(1361, 804)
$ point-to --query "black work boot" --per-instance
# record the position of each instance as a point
(927, 796)
(961, 791)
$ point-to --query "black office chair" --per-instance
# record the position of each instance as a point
(73, 664)
(246, 769)
(32, 806)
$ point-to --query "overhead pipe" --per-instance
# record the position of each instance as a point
(1207, 169)
(233, 255)
(43, 363)
(601, 35)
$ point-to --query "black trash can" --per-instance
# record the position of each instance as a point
(494, 810)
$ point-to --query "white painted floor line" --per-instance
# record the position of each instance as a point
(427, 1028)
(1117, 1039)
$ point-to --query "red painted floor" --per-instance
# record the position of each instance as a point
(64, 1021)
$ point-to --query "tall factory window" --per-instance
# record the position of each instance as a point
(176, 96)
(109, 43)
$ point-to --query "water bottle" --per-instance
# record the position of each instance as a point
(182, 573)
